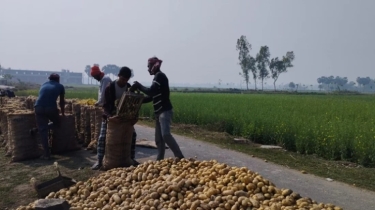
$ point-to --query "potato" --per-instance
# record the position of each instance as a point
(184, 184)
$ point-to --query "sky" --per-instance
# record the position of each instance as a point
(195, 39)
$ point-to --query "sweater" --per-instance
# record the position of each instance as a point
(158, 93)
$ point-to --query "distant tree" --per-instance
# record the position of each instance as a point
(7, 78)
(263, 61)
(320, 87)
(280, 66)
(111, 69)
(363, 81)
(340, 82)
(292, 85)
(243, 47)
(87, 71)
(328, 81)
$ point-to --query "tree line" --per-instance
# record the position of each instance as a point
(338, 83)
(261, 66)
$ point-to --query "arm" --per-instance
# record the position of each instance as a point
(62, 101)
(106, 103)
(153, 90)
(102, 91)
(147, 99)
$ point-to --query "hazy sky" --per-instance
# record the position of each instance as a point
(195, 39)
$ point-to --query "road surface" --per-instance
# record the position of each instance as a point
(307, 185)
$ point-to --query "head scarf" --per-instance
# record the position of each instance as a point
(154, 62)
(95, 71)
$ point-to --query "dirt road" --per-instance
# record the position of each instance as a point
(319, 189)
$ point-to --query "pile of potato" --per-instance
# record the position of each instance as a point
(182, 184)
(87, 102)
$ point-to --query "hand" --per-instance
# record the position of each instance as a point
(133, 88)
(137, 84)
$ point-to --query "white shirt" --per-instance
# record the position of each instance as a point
(104, 82)
(120, 90)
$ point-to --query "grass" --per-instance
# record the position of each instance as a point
(335, 127)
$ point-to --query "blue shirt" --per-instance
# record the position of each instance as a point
(48, 94)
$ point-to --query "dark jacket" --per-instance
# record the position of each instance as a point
(109, 107)
(158, 93)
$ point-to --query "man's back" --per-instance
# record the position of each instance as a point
(48, 94)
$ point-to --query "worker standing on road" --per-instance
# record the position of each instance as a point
(46, 109)
(104, 81)
(163, 109)
(112, 93)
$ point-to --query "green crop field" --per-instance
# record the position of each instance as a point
(336, 127)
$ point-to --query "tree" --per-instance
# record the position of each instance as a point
(253, 69)
(263, 61)
(243, 47)
(292, 85)
(111, 69)
(7, 77)
(363, 81)
(87, 71)
(280, 66)
(340, 82)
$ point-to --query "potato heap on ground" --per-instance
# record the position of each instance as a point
(182, 184)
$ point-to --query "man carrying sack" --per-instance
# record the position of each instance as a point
(46, 109)
(158, 93)
(113, 92)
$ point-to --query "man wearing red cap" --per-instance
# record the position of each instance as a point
(158, 93)
(104, 81)
(46, 109)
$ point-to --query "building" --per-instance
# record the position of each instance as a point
(40, 77)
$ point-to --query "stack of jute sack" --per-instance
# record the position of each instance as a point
(17, 117)
(15, 123)
(79, 128)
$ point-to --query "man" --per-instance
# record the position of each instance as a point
(163, 109)
(104, 82)
(10, 93)
(112, 93)
(46, 109)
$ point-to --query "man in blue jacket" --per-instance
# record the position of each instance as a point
(46, 109)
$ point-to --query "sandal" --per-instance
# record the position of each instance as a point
(96, 166)
(136, 163)
(43, 157)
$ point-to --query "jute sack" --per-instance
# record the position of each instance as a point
(4, 128)
(85, 125)
(98, 121)
(97, 126)
(63, 136)
(87, 130)
(23, 146)
(92, 128)
(76, 110)
(118, 145)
